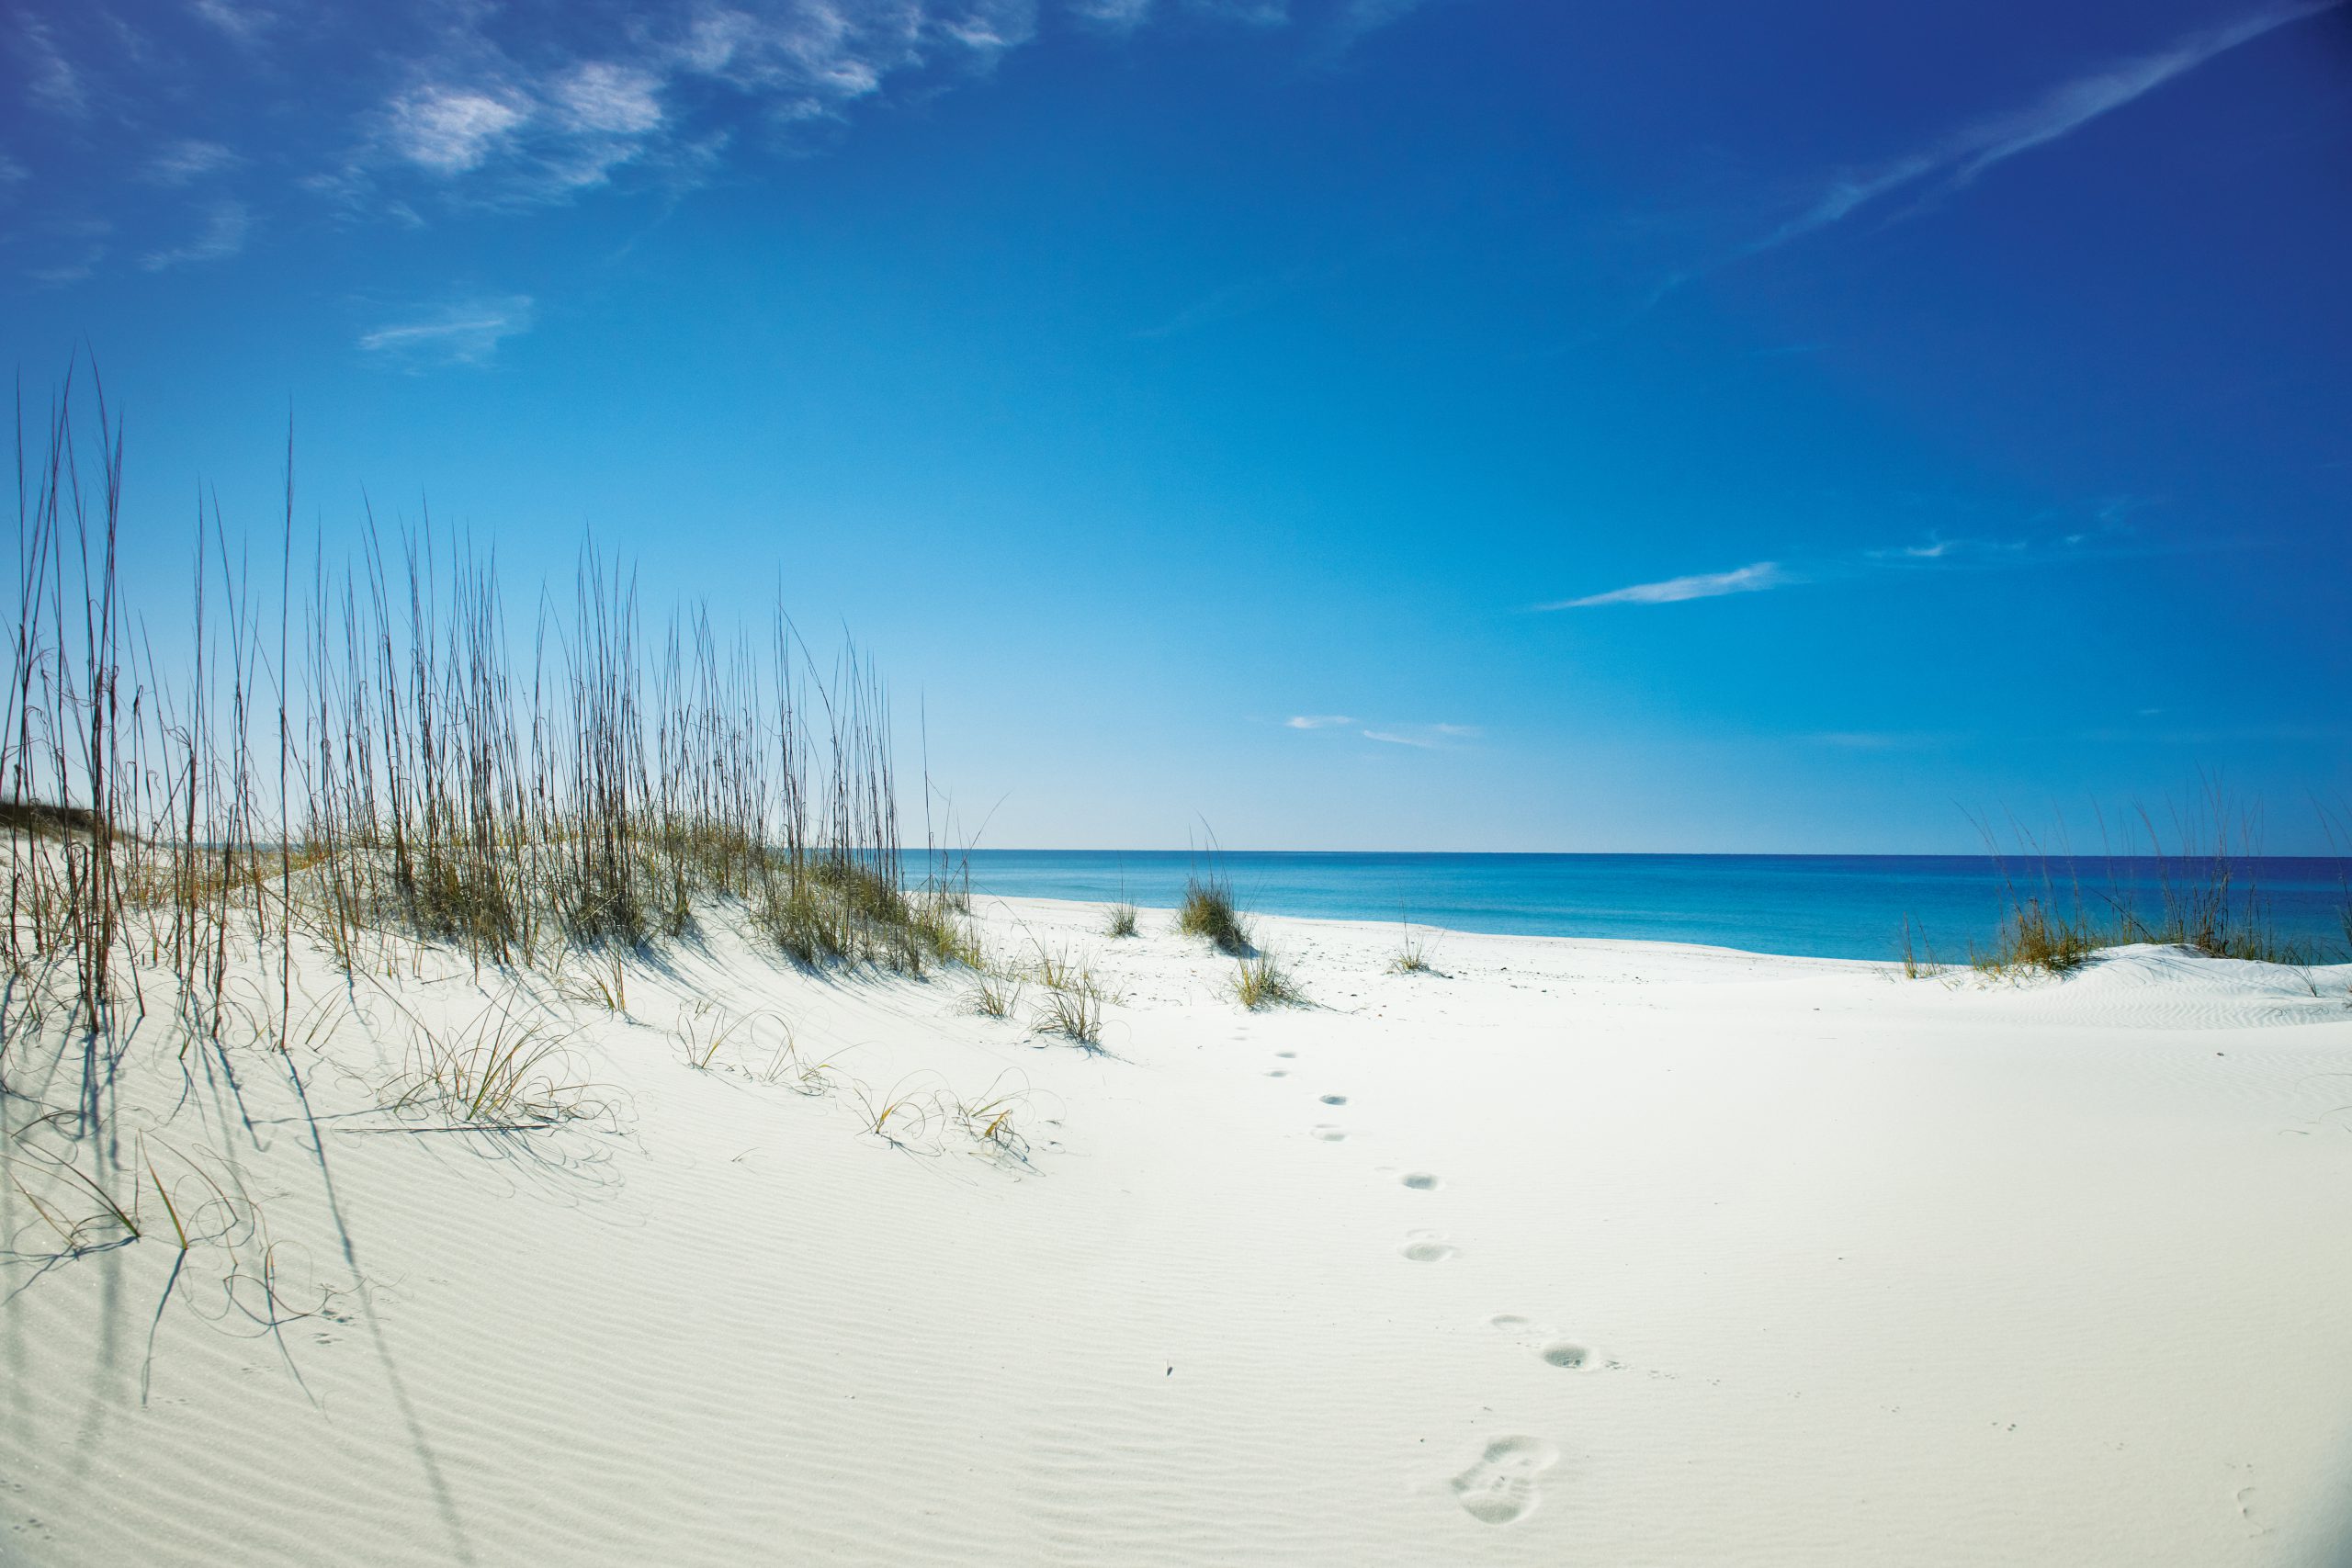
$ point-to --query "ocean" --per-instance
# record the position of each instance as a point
(1815, 906)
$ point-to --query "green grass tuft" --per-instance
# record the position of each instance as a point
(1208, 910)
(1262, 982)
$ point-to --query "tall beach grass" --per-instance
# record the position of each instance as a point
(354, 759)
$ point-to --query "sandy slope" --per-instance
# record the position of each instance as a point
(1576, 1252)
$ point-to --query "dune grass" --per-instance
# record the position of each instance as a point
(1412, 955)
(1119, 919)
(507, 1071)
(1208, 910)
(357, 761)
(1262, 982)
(997, 995)
(2207, 899)
(1075, 1015)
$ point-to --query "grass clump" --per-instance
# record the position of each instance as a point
(505, 1072)
(2032, 937)
(1073, 999)
(1208, 910)
(1412, 955)
(1262, 982)
(1120, 920)
(1075, 1015)
(998, 994)
(2195, 888)
(1920, 962)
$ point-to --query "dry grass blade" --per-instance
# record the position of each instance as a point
(705, 1028)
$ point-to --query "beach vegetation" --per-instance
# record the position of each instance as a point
(375, 767)
(1262, 982)
(1412, 955)
(998, 993)
(1075, 1014)
(1120, 920)
(1208, 910)
(506, 1071)
(1918, 957)
(2206, 896)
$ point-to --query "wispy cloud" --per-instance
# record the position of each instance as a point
(1885, 739)
(241, 22)
(1929, 174)
(54, 82)
(471, 105)
(223, 236)
(1354, 19)
(618, 100)
(1751, 579)
(1422, 737)
(463, 331)
(450, 130)
(72, 249)
(2105, 538)
(186, 161)
(1120, 16)
(1225, 304)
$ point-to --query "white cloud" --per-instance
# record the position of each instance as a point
(56, 83)
(1422, 737)
(223, 235)
(243, 23)
(72, 271)
(466, 332)
(1959, 158)
(1317, 721)
(1936, 554)
(1122, 15)
(1753, 578)
(614, 99)
(1354, 18)
(450, 131)
(183, 163)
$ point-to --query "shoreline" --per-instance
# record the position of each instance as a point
(1867, 907)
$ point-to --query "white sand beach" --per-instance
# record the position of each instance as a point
(1561, 1252)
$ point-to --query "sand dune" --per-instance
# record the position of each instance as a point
(1567, 1252)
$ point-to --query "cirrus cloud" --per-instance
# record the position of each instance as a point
(1751, 579)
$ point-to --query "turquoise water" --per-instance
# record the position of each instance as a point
(1819, 906)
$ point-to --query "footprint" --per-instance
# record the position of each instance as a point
(1508, 1322)
(1421, 1181)
(1279, 1073)
(1500, 1488)
(1428, 1246)
(1287, 1055)
(1330, 1134)
(1560, 1353)
(1335, 1099)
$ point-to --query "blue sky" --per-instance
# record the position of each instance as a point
(1354, 424)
